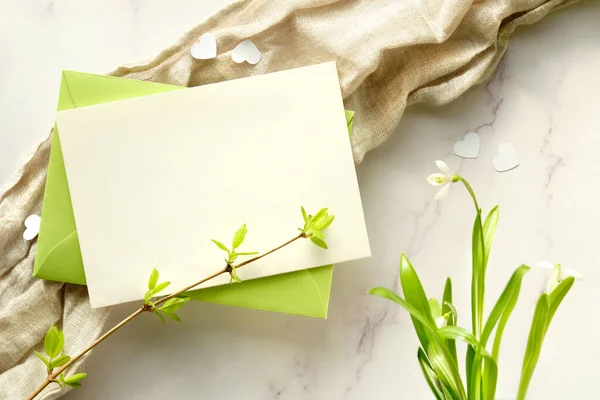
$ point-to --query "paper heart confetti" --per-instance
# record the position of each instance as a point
(468, 147)
(246, 51)
(506, 158)
(206, 48)
(32, 225)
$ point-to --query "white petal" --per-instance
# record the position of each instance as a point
(439, 179)
(443, 168)
(441, 322)
(442, 192)
(565, 273)
(545, 265)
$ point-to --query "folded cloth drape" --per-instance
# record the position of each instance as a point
(389, 54)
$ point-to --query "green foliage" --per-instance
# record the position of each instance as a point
(154, 288)
(232, 255)
(315, 225)
(435, 322)
(544, 312)
(54, 342)
(73, 381)
(170, 308)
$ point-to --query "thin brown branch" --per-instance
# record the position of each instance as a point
(52, 376)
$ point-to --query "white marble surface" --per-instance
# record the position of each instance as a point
(543, 99)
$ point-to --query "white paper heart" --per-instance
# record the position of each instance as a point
(32, 225)
(468, 147)
(506, 158)
(246, 51)
(206, 48)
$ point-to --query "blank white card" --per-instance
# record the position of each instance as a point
(154, 178)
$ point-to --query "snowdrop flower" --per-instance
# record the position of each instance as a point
(442, 321)
(443, 179)
(558, 274)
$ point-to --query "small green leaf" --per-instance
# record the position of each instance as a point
(324, 222)
(239, 237)
(159, 315)
(44, 359)
(60, 361)
(247, 253)
(159, 288)
(220, 245)
(319, 242)
(234, 275)
(174, 317)
(73, 380)
(153, 279)
(304, 215)
(173, 305)
(54, 342)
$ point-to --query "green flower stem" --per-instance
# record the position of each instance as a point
(52, 376)
(478, 277)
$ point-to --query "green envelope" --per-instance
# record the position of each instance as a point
(58, 256)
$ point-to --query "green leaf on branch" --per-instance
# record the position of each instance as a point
(319, 242)
(153, 279)
(54, 342)
(314, 226)
(239, 237)
(60, 361)
(44, 359)
(173, 305)
(159, 315)
(74, 380)
(234, 276)
(221, 246)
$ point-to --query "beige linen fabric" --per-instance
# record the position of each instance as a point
(390, 53)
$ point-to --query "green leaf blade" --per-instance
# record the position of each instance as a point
(153, 279)
(159, 288)
(489, 231)
(506, 302)
(415, 295)
(54, 342)
(221, 246)
(239, 237)
(44, 359)
(60, 361)
(537, 333)
(159, 315)
(173, 305)
(74, 380)
(429, 374)
(318, 241)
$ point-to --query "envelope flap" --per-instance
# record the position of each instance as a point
(79, 89)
